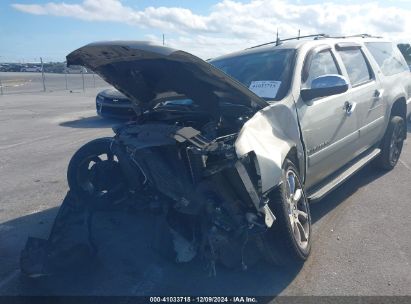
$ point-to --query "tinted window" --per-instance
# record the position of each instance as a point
(388, 57)
(271, 66)
(356, 65)
(322, 63)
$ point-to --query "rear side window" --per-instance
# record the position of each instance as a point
(322, 63)
(388, 57)
(356, 66)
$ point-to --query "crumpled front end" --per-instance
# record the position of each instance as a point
(214, 198)
(209, 199)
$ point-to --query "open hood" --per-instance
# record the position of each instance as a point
(145, 72)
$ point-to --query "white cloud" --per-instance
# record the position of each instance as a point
(232, 25)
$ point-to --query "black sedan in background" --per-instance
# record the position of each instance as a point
(111, 103)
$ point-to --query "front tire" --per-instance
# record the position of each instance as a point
(391, 145)
(288, 241)
(94, 171)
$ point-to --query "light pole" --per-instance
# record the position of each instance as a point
(1, 87)
(82, 76)
(42, 75)
(65, 76)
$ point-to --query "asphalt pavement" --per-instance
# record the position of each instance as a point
(361, 231)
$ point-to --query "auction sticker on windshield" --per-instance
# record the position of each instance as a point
(265, 88)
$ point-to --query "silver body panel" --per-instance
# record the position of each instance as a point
(331, 137)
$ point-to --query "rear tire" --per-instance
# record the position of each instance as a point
(391, 145)
(288, 241)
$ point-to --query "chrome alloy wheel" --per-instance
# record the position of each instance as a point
(298, 210)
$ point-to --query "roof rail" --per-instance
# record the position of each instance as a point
(316, 37)
(357, 35)
(278, 41)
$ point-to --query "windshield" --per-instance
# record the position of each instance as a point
(267, 74)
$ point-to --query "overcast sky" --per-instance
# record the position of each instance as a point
(51, 29)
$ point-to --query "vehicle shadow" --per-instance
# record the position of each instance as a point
(365, 176)
(92, 122)
(127, 265)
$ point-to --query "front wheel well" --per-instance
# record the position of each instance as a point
(399, 108)
(293, 156)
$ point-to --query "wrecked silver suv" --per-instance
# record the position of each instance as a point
(230, 151)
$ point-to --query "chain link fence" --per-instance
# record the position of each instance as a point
(31, 82)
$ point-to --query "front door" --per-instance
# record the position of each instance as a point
(329, 126)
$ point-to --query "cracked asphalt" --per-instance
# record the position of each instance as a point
(361, 231)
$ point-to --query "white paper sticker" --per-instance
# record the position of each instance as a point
(265, 88)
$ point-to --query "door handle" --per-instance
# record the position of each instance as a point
(377, 94)
(349, 107)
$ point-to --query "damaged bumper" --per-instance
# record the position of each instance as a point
(204, 212)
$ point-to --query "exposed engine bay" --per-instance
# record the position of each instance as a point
(190, 160)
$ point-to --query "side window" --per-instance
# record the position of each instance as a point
(322, 63)
(356, 66)
(388, 57)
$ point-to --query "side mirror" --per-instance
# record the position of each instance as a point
(325, 85)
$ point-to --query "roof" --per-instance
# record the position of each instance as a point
(294, 43)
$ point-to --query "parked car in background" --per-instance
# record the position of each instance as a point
(33, 69)
(111, 103)
(75, 69)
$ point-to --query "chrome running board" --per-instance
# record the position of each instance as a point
(317, 193)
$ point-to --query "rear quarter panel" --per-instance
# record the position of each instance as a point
(395, 87)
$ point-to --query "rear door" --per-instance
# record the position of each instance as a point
(366, 94)
(329, 132)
